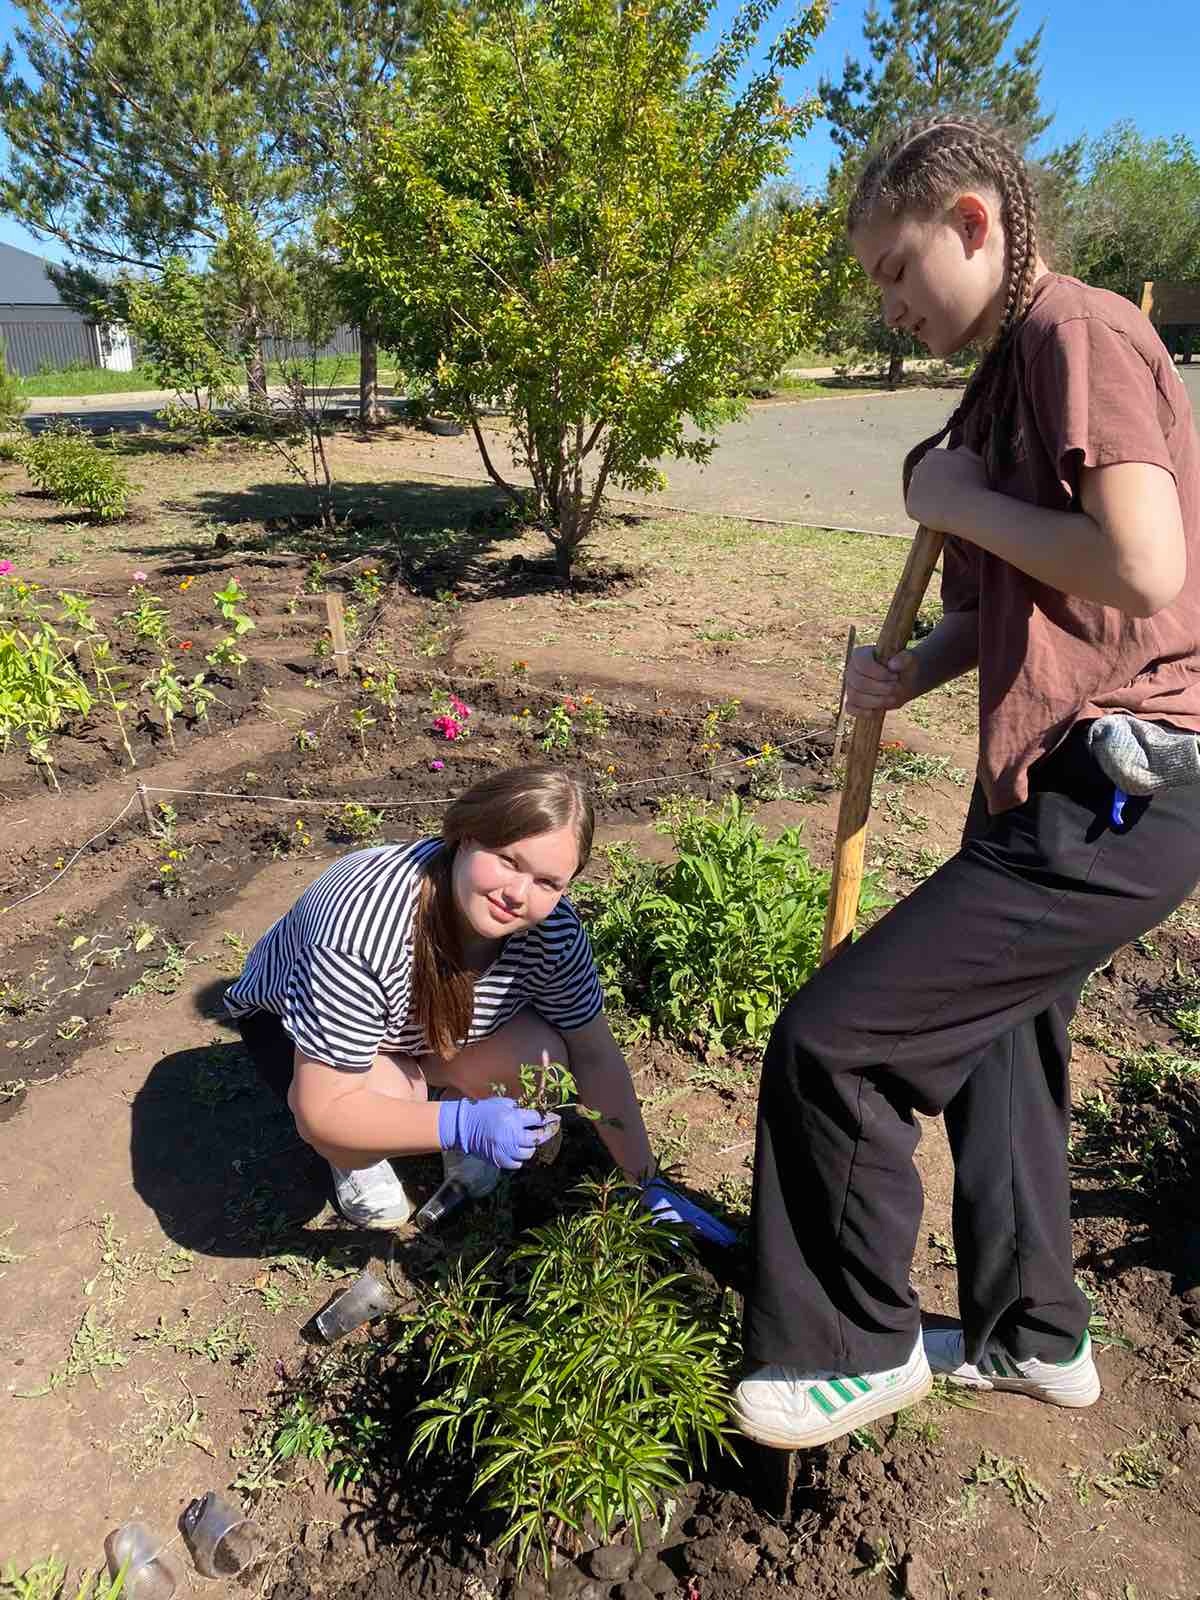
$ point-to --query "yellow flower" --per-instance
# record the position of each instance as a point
(185, 584)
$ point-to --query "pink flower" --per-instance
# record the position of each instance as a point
(5, 568)
(436, 766)
(139, 576)
(459, 708)
(447, 727)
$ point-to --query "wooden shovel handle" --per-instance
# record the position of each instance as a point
(864, 749)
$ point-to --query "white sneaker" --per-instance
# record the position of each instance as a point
(371, 1197)
(794, 1410)
(1074, 1382)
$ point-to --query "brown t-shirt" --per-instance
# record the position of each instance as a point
(1096, 386)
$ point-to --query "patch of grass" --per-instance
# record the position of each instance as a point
(93, 1349)
(47, 1580)
(167, 975)
(899, 765)
(148, 1440)
(226, 1341)
(1013, 1476)
(8, 1257)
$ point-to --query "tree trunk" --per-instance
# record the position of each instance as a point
(563, 555)
(368, 379)
(895, 368)
(256, 373)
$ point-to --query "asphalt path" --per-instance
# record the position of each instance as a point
(831, 460)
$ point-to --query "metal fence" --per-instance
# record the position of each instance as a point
(31, 346)
(343, 343)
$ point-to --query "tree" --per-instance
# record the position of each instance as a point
(921, 56)
(1134, 214)
(13, 403)
(353, 53)
(548, 243)
(136, 130)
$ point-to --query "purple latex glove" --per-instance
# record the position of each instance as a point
(497, 1130)
(666, 1205)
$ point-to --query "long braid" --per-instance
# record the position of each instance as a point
(918, 172)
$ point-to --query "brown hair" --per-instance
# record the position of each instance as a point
(917, 173)
(497, 811)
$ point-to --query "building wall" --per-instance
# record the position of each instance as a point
(35, 337)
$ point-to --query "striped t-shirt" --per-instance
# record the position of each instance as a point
(337, 968)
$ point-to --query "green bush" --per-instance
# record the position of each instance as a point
(708, 948)
(581, 1371)
(68, 464)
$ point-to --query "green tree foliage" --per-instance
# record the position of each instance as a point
(548, 243)
(1135, 212)
(936, 55)
(139, 131)
(921, 56)
(182, 340)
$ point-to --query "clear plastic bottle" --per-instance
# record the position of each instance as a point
(467, 1178)
(149, 1573)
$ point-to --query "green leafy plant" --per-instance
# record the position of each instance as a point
(166, 691)
(225, 653)
(709, 947)
(228, 601)
(582, 1372)
(557, 728)
(65, 462)
(359, 823)
(147, 619)
(46, 1580)
(361, 719)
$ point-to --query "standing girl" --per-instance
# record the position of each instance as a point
(1070, 493)
(444, 964)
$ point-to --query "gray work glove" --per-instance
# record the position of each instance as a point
(1142, 757)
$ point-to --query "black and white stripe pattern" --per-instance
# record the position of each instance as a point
(337, 968)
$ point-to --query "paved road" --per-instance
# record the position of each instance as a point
(832, 460)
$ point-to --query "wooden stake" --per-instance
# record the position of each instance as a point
(337, 632)
(855, 808)
(145, 804)
(839, 727)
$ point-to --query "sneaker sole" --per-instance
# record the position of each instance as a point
(886, 1406)
(1079, 1399)
(377, 1222)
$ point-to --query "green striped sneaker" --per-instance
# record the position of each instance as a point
(1074, 1382)
(792, 1410)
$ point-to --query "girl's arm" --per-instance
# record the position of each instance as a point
(350, 1124)
(1126, 547)
(602, 1074)
(949, 650)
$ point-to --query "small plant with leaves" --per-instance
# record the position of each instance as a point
(360, 720)
(200, 696)
(766, 773)
(593, 718)
(584, 1373)
(358, 823)
(316, 579)
(166, 691)
(306, 740)
(147, 618)
(228, 601)
(291, 841)
(225, 654)
(558, 728)
(367, 585)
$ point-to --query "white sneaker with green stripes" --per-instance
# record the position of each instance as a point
(1074, 1382)
(793, 1410)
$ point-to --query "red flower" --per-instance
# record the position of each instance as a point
(185, 644)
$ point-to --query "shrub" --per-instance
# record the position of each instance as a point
(707, 949)
(65, 462)
(580, 1371)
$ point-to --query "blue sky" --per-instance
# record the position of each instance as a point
(1102, 60)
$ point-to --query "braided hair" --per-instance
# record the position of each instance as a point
(918, 172)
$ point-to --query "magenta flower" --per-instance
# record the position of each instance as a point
(459, 707)
(436, 766)
(5, 568)
(447, 727)
(139, 576)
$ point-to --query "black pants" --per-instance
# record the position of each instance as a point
(957, 1002)
(271, 1050)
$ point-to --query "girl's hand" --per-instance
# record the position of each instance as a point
(873, 687)
(943, 487)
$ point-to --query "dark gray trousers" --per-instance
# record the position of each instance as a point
(958, 1001)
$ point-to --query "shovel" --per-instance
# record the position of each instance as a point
(855, 808)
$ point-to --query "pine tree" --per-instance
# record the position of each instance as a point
(922, 56)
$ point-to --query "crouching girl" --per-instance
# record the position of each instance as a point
(444, 965)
